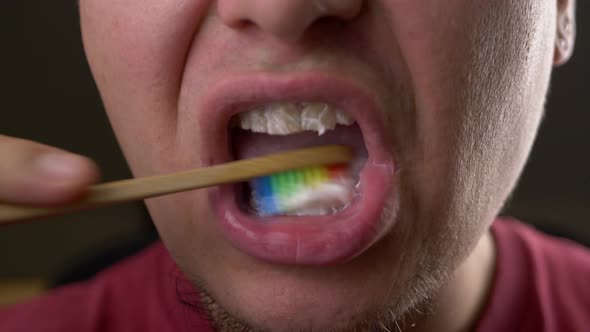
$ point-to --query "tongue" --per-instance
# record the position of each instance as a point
(247, 144)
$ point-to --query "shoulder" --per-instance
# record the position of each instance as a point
(108, 300)
(541, 281)
(553, 258)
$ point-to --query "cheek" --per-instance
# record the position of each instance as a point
(478, 77)
(136, 51)
(474, 67)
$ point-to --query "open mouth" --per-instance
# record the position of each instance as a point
(337, 217)
(283, 126)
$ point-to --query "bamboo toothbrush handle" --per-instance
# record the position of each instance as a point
(141, 188)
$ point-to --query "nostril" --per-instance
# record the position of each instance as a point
(287, 19)
(234, 13)
(243, 23)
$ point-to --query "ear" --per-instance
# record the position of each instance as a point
(565, 36)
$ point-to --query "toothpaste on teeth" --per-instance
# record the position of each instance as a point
(285, 118)
(318, 190)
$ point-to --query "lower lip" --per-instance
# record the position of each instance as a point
(311, 240)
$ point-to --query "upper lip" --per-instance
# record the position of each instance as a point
(305, 242)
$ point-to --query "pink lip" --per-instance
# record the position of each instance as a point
(300, 240)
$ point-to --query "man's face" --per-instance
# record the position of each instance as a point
(447, 96)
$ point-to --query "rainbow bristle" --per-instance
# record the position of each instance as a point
(270, 193)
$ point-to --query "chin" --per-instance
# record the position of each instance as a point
(298, 301)
(326, 299)
(380, 287)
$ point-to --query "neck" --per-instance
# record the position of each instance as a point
(460, 302)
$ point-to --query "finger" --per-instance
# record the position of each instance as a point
(36, 174)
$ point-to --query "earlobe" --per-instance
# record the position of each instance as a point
(565, 31)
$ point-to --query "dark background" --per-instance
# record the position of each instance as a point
(48, 95)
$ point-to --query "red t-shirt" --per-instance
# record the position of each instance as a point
(540, 284)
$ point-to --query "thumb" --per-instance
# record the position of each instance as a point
(36, 174)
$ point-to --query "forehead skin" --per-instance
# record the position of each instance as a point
(461, 85)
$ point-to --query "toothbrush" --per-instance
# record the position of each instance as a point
(310, 190)
(142, 188)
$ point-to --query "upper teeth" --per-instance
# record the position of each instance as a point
(286, 118)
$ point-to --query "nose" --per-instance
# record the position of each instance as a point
(284, 19)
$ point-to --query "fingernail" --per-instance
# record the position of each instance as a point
(57, 166)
